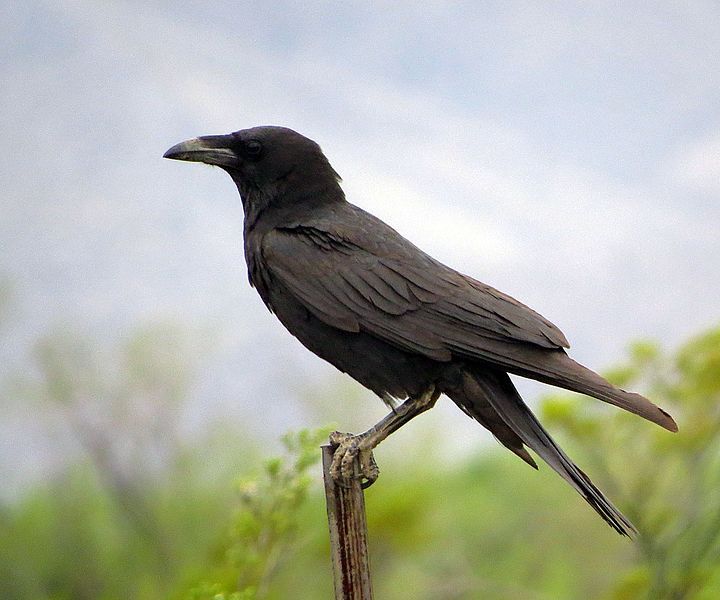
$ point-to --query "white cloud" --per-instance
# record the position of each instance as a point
(505, 144)
(698, 165)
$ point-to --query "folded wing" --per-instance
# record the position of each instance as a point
(401, 295)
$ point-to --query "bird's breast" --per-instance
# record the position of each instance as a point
(258, 274)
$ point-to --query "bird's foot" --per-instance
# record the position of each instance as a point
(348, 447)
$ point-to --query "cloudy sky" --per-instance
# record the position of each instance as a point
(567, 153)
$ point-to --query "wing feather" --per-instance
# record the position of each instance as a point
(407, 299)
(419, 305)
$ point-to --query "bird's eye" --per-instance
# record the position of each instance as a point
(253, 148)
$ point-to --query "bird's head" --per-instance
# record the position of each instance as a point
(271, 166)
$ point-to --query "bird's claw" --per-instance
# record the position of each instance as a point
(348, 447)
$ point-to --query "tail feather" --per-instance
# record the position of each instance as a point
(465, 394)
(560, 370)
(492, 399)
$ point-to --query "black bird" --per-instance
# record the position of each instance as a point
(365, 299)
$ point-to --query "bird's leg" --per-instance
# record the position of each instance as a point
(349, 446)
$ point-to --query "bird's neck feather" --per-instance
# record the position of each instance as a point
(282, 200)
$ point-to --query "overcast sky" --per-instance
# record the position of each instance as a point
(567, 153)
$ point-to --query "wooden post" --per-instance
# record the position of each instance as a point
(348, 535)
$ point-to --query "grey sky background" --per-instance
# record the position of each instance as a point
(567, 153)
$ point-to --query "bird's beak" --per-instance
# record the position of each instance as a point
(209, 149)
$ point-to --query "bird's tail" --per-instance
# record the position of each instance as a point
(490, 397)
(558, 369)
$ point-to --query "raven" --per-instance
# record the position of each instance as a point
(355, 292)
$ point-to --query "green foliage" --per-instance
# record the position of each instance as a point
(669, 485)
(265, 523)
(481, 526)
(138, 507)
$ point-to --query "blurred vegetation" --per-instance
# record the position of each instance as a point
(669, 486)
(265, 523)
(145, 512)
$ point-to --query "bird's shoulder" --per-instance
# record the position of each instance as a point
(344, 226)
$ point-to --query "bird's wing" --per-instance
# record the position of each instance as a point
(401, 295)
(389, 288)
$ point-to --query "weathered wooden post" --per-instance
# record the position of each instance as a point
(348, 534)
